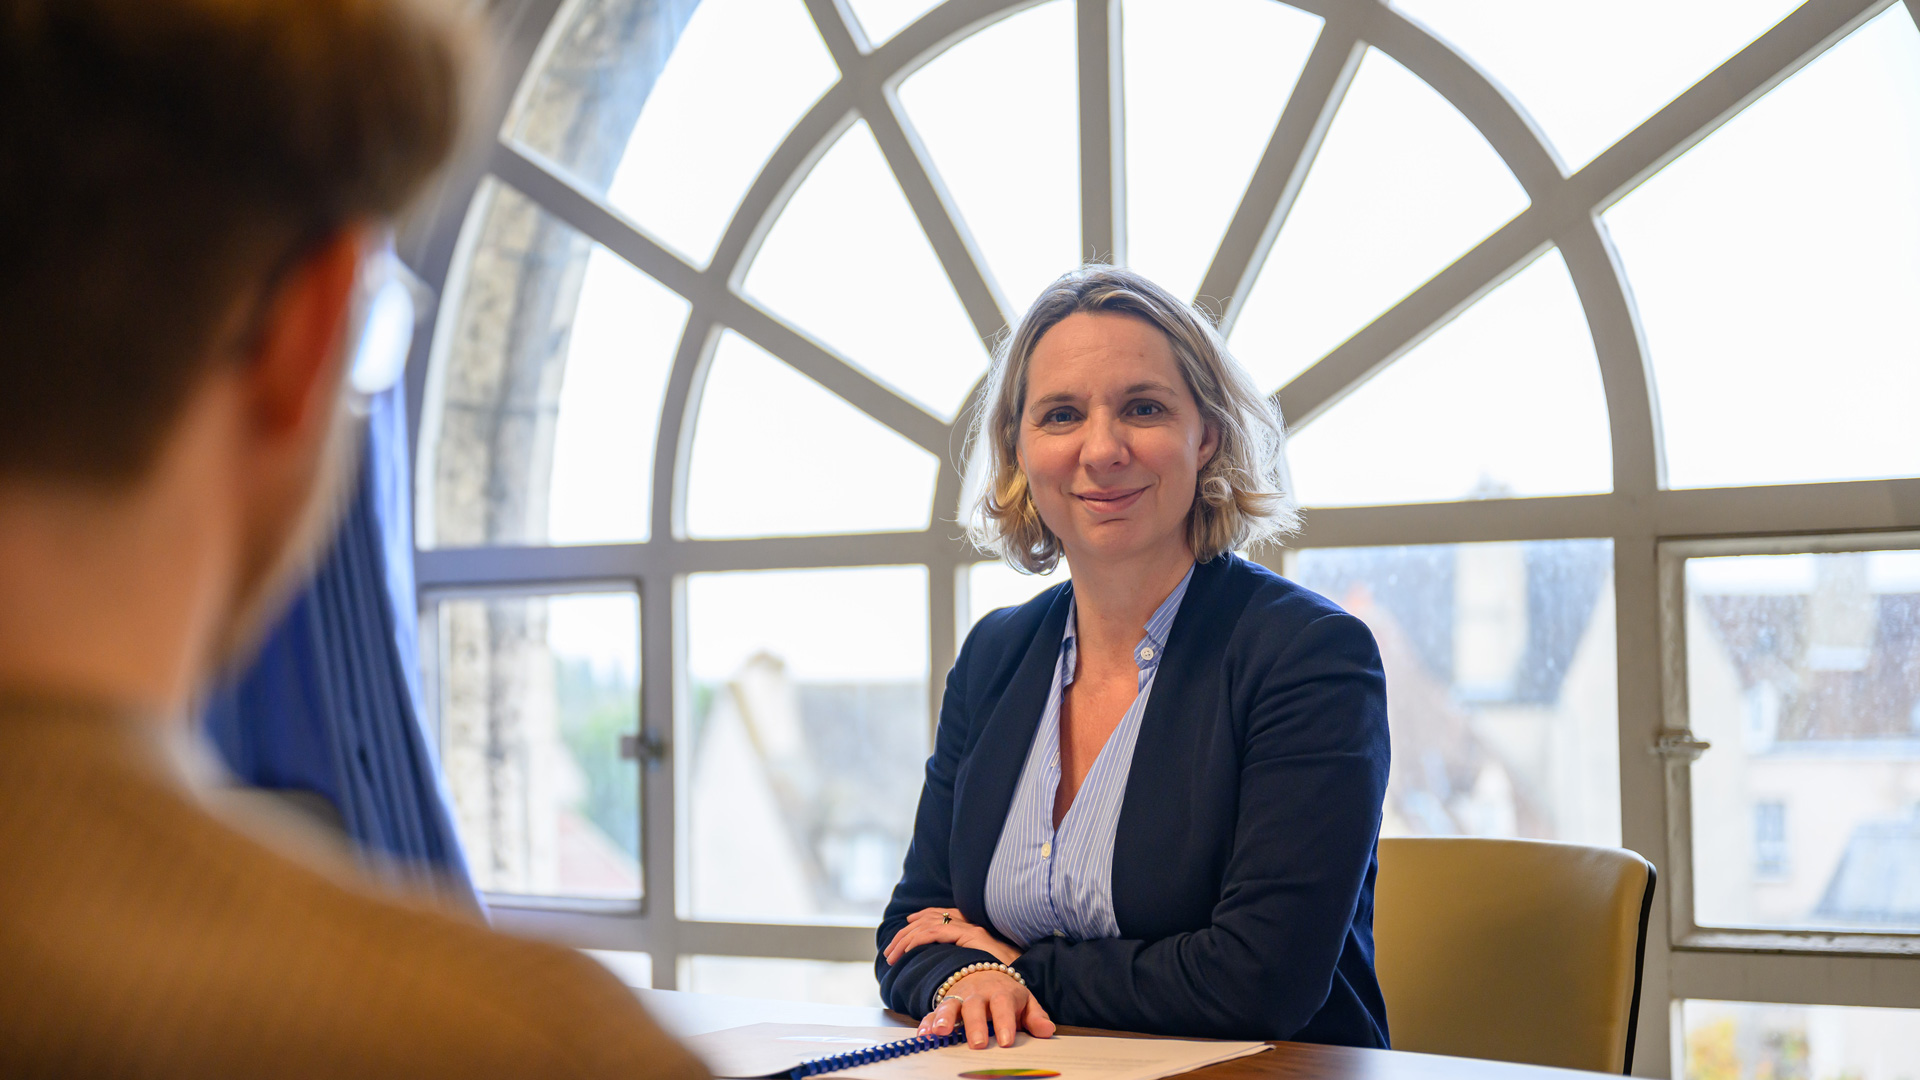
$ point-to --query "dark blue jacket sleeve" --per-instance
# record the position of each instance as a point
(1313, 775)
(926, 880)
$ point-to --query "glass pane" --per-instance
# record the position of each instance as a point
(999, 113)
(809, 735)
(633, 968)
(1802, 673)
(533, 696)
(1564, 65)
(993, 585)
(1205, 83)
(637, 126)
(881, 19)
(1402, 187)
(1503, 401)
(1744, 1040)
(777, 454)
(544, 407)
(1500, 673)
(826, 982)
(848, 263)
(1775, 267)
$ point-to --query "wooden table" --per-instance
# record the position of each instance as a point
(693, 1014)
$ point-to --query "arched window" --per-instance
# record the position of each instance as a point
(1593, 327)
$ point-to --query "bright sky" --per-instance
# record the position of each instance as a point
(828, 625)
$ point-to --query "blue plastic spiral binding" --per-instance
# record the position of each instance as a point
(915, 1045)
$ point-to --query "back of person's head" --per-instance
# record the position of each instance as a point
(162, 164)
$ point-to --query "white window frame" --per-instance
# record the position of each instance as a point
(1647, 523)
(1678, 747)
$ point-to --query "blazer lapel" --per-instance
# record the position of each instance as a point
(1186, 689)
(983, 790)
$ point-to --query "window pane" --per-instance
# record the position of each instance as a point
(881, 19)
(810, 737)
(993, 585)
(1503, 401)
(1775, 267)
(1402, 187)
(824, 981)
(1500, 681)
(1738, 1040)
(1205, 83)
(1803, 671)
(544, 407)
(848, 263)
(1563, 64)
(640, 134)
(998, 113)
(533, 696)
(777, 454)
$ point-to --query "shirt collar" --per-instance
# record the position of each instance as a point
(1152, 644)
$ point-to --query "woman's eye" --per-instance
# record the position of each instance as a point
(1058, 416)
(1145, 408)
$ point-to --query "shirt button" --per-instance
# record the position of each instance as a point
(1059, 933)
(1046, 850)
(1146, 653)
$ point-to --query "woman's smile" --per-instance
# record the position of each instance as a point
(1111, 500)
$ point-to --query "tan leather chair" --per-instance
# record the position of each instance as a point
(1513, 950)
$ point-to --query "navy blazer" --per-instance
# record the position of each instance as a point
(1244, 860)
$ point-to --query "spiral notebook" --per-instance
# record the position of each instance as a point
(799, 1051)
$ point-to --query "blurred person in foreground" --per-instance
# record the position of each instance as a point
(193, 195)
(1155, 792)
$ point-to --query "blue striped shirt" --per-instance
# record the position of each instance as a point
(1046, 881)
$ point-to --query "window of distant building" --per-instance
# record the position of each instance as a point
(1770, 840)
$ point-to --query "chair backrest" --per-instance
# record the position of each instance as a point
(1513, 950)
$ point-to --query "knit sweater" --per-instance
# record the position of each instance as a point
(142, 936)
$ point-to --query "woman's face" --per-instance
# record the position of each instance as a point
(1111, 439)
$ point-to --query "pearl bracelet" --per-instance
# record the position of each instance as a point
(940, 994)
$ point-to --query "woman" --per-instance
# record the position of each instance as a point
(1156, 790)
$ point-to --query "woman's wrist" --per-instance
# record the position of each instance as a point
(972, 969)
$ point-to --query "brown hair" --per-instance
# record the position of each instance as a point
(1242, 495)
(161, 161)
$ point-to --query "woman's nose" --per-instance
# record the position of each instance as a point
(1105, 444)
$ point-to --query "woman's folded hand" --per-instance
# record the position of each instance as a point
(947, 924)
(984, 996)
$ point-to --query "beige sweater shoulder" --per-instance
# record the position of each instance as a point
(141, 936)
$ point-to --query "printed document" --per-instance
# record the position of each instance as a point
(771, 1049)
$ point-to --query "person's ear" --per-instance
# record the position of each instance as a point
(292, 380)
(1209, 444)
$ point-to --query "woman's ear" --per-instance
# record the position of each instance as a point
(1209, 444)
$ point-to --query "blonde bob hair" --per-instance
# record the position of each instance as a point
(1243, 495)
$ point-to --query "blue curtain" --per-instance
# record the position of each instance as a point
(331, 704)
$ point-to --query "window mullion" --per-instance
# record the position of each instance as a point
(1283, 165)
(1103, 185)
(1764, 64)
(946, 230)
(594, 219)
(860, 389)
(1408, 322)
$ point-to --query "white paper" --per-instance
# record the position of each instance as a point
(1073, 1057)
(766, 1049)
